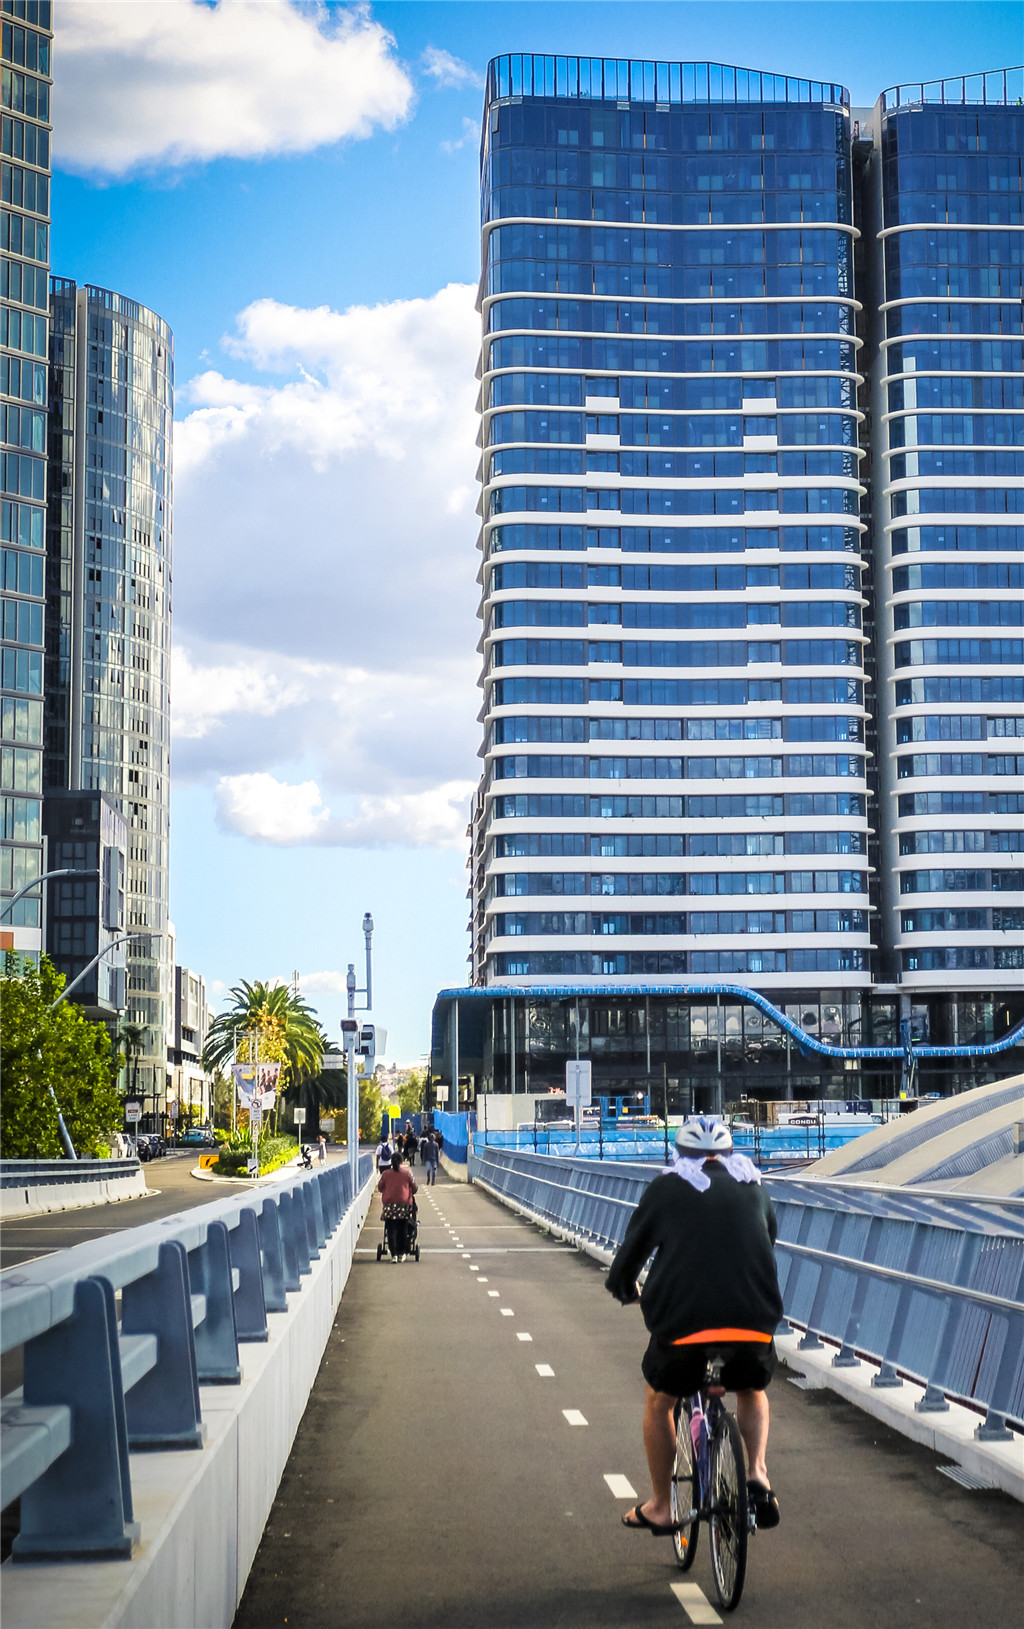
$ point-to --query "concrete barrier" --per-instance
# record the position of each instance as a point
(203, 1513)
(35, 1187)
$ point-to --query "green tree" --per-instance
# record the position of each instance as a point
(42, 1046)
(371, 1110)
(410, 1092)
(132, 1040)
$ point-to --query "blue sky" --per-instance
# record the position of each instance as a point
(294, 189)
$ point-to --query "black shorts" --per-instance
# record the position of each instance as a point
(679, 1370)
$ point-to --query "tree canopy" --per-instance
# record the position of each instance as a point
(267, 1023)
(43, 1046)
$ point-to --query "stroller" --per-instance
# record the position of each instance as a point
(401, 1228)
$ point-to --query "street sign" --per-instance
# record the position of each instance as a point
(252, 1167)
(577, 1083)
(327, 1125)
(394, 1112)
(299, 1116)
(133, 1113)
(172, 1108)
(255, 1116)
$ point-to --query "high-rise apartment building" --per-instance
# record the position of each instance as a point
(25, 43)
(750, 503)
(108, 584)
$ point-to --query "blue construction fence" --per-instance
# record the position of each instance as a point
(766, 1145)
(455, 1129)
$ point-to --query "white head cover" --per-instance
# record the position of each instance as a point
(701, 1138)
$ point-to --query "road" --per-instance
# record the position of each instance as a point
(437, 1480)
(171, 1187)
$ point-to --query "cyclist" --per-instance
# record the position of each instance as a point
(711, 1229)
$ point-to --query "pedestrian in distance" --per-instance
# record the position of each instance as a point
(411, 1143)
(429, 1152)
(321, 1149)
(383, 1155)
(710, 1227)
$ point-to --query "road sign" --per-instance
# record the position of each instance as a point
(252, 1167)
(133, 1113)
(172, 1108)
(577, 1083)
(299, 1116)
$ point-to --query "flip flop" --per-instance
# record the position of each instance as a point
(765, 1504)
(640, 1521)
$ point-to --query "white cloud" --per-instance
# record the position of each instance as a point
(470, 133)
(327, 983)
(449, 71)
(271, 811)
(325, 593)
(173, 82)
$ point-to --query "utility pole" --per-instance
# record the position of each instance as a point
(350, 1031)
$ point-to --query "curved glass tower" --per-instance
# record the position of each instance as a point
(675, 778)
(109, 607)
(949, 416)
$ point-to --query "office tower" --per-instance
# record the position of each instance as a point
(108, 601)
(25, 42)
(697, 742)
(944, 191)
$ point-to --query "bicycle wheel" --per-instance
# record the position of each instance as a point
(685, 1491)
(728, 1529)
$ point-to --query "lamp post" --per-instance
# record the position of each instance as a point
(350, 1030)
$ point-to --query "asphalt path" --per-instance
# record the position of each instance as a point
(171, 1188)
(438, 1481)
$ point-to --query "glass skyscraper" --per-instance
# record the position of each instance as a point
(948, 396)
(108, 585)
(25, 42)
(712, 634)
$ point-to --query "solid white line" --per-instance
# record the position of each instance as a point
(545, 1371)
(621, 1487)
(695, 1603)
(506, 1312)
(521, 1336)
(574, 1417)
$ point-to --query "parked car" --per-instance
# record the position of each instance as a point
(197, 1137)
(142, 1148)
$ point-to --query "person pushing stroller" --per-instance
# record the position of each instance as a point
(397, 1188)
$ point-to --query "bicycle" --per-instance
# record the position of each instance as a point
(709, 1484)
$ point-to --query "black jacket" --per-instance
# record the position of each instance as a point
(714, 1257)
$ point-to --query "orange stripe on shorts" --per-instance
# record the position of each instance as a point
(713, 1337)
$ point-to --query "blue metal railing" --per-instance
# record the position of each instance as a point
(928, 1285)
(102, 1378)
(619, 79)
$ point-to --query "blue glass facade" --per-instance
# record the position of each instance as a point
(25, 83)
(107, 699)
(669, 374)
(950, 385)
(752, 412)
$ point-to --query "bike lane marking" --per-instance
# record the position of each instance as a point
(545, 1371)
(574, 1417)
(620, 1486)
(522, 1336)
(695, 1603)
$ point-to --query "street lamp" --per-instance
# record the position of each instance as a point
(91, 871)
(350, 1030)
(113, 945)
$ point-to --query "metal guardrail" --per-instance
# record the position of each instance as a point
(117, 1337)
(50, 1173)
(927, 1285)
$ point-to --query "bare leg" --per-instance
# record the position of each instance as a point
(752, 1419)
(660, 1446)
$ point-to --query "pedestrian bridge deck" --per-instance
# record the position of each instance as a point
(438, 1478)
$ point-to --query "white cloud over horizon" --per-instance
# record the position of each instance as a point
(176, 82)
(325, 662)
(449, 72)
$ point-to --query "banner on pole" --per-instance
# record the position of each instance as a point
(256, 1080)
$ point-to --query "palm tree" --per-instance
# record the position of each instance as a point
(267, 1023)
(132, 1037)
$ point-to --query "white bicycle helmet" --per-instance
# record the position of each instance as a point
(701, 1135)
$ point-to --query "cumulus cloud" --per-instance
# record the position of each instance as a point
(271, 811)
(326, 983)
(449, 72)
(173, 82)
(470, 132)
(325, 593)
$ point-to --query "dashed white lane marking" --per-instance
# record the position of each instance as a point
(695, 1603)
(506, 1312)
(465, 1255)
(522, 1336)
(481, 1280)
(475, 1270)
(574, 1417)
(621, 1487)
(490, 1292)
(545, 1371)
